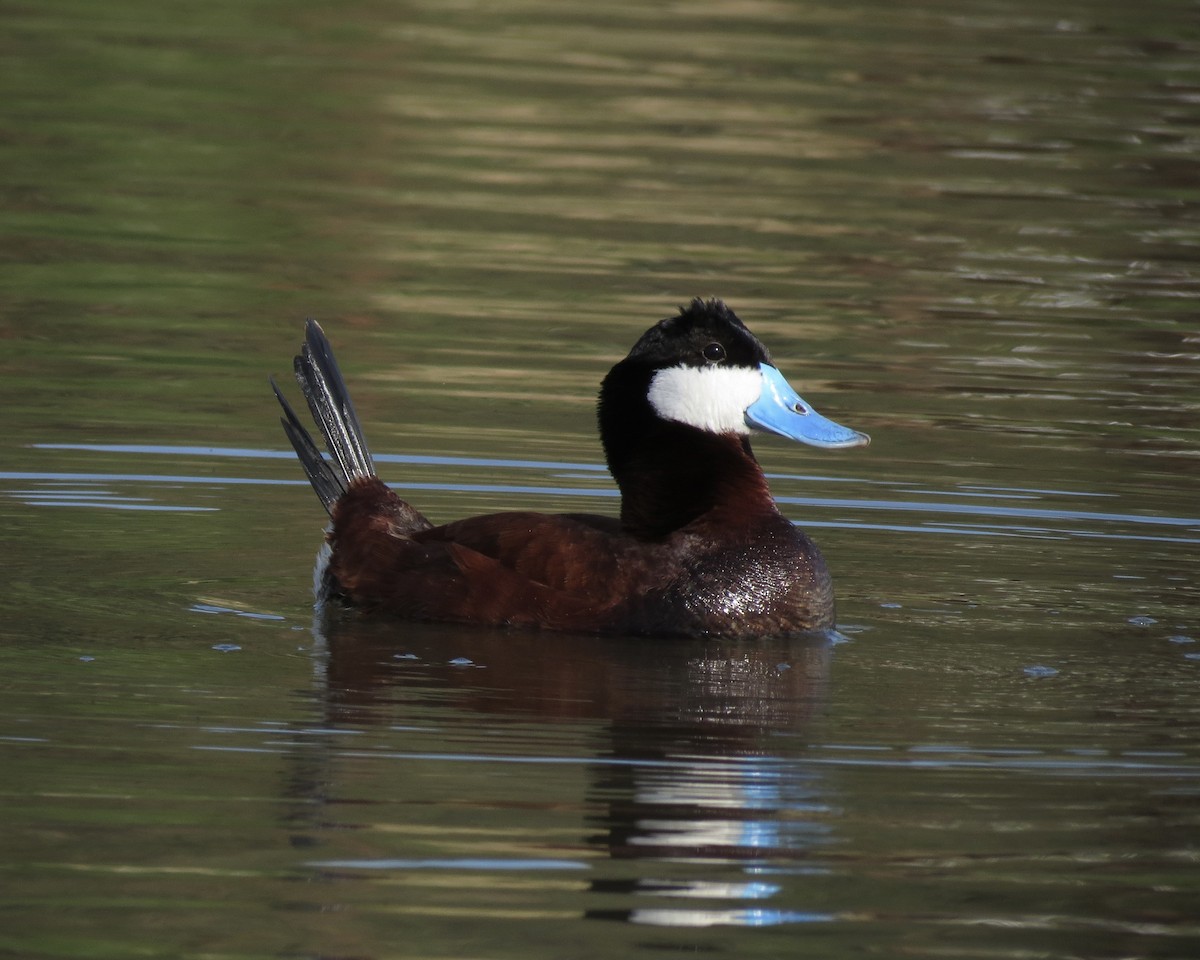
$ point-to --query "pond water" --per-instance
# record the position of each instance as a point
(970, 229)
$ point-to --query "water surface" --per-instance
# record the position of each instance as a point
(969, 229)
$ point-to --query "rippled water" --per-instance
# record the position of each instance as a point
(968, 229)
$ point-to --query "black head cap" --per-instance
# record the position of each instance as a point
(704, 332)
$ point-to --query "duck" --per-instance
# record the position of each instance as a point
(699, 548)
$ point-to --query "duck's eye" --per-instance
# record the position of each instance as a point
(714, 353)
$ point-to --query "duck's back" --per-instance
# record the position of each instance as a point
(582, 573)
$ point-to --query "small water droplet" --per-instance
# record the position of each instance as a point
(1142, 621)
(1038, 670)
(461, 662)
(780, 667)
(1181, 638)
(86, 659)
(226, 647)
(891, 605)
(404, 656)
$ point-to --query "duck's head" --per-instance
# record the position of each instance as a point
(705, 370)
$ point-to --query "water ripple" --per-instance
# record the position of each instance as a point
(946, 513)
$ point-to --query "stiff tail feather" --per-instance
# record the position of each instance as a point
(329, 400)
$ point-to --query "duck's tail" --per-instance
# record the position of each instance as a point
(329, 400)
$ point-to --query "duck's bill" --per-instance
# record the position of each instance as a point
(779, 409)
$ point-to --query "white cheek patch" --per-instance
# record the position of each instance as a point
(708, 398)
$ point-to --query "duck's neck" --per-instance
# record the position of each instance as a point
(675, 475)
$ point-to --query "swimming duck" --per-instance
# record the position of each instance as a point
(699, 549)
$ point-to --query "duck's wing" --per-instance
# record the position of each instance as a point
(521, 569)
(573, 553)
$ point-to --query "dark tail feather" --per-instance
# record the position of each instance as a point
(321, 475)
(329, 400)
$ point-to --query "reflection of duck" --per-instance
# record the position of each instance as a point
(675, 774)
(699, 549)
(710, 696)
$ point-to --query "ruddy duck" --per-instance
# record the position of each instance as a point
(700, 548)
